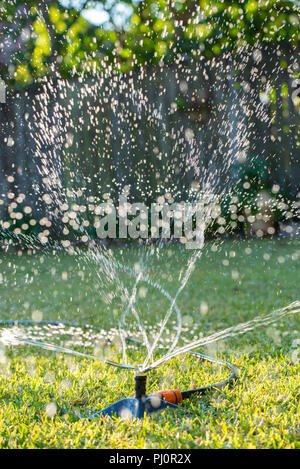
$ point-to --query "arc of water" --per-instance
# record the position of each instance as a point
(118, 265)
(130, 305)
(123, 317)
(17, 340)
(242, 328)
(170, 310)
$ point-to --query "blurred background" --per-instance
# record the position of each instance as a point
(195, 61)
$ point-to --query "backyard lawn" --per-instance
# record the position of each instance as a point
(46, 397)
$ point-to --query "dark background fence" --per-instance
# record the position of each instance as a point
(177, 122)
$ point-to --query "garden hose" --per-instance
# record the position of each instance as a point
(176, 397)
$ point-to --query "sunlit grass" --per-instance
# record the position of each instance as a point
(44, 395)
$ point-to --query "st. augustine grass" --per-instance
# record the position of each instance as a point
(45, 398)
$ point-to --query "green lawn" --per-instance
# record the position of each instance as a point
(43, 395)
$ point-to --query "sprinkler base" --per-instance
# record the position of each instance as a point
(136, 407)
(142, 404)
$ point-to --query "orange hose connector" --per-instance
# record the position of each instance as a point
(173, 396)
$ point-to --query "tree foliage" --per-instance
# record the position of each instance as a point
(42, 37)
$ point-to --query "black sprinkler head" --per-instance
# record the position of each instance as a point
(138, 406)
(142, 405)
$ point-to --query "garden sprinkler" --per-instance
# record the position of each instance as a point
(142, 404)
